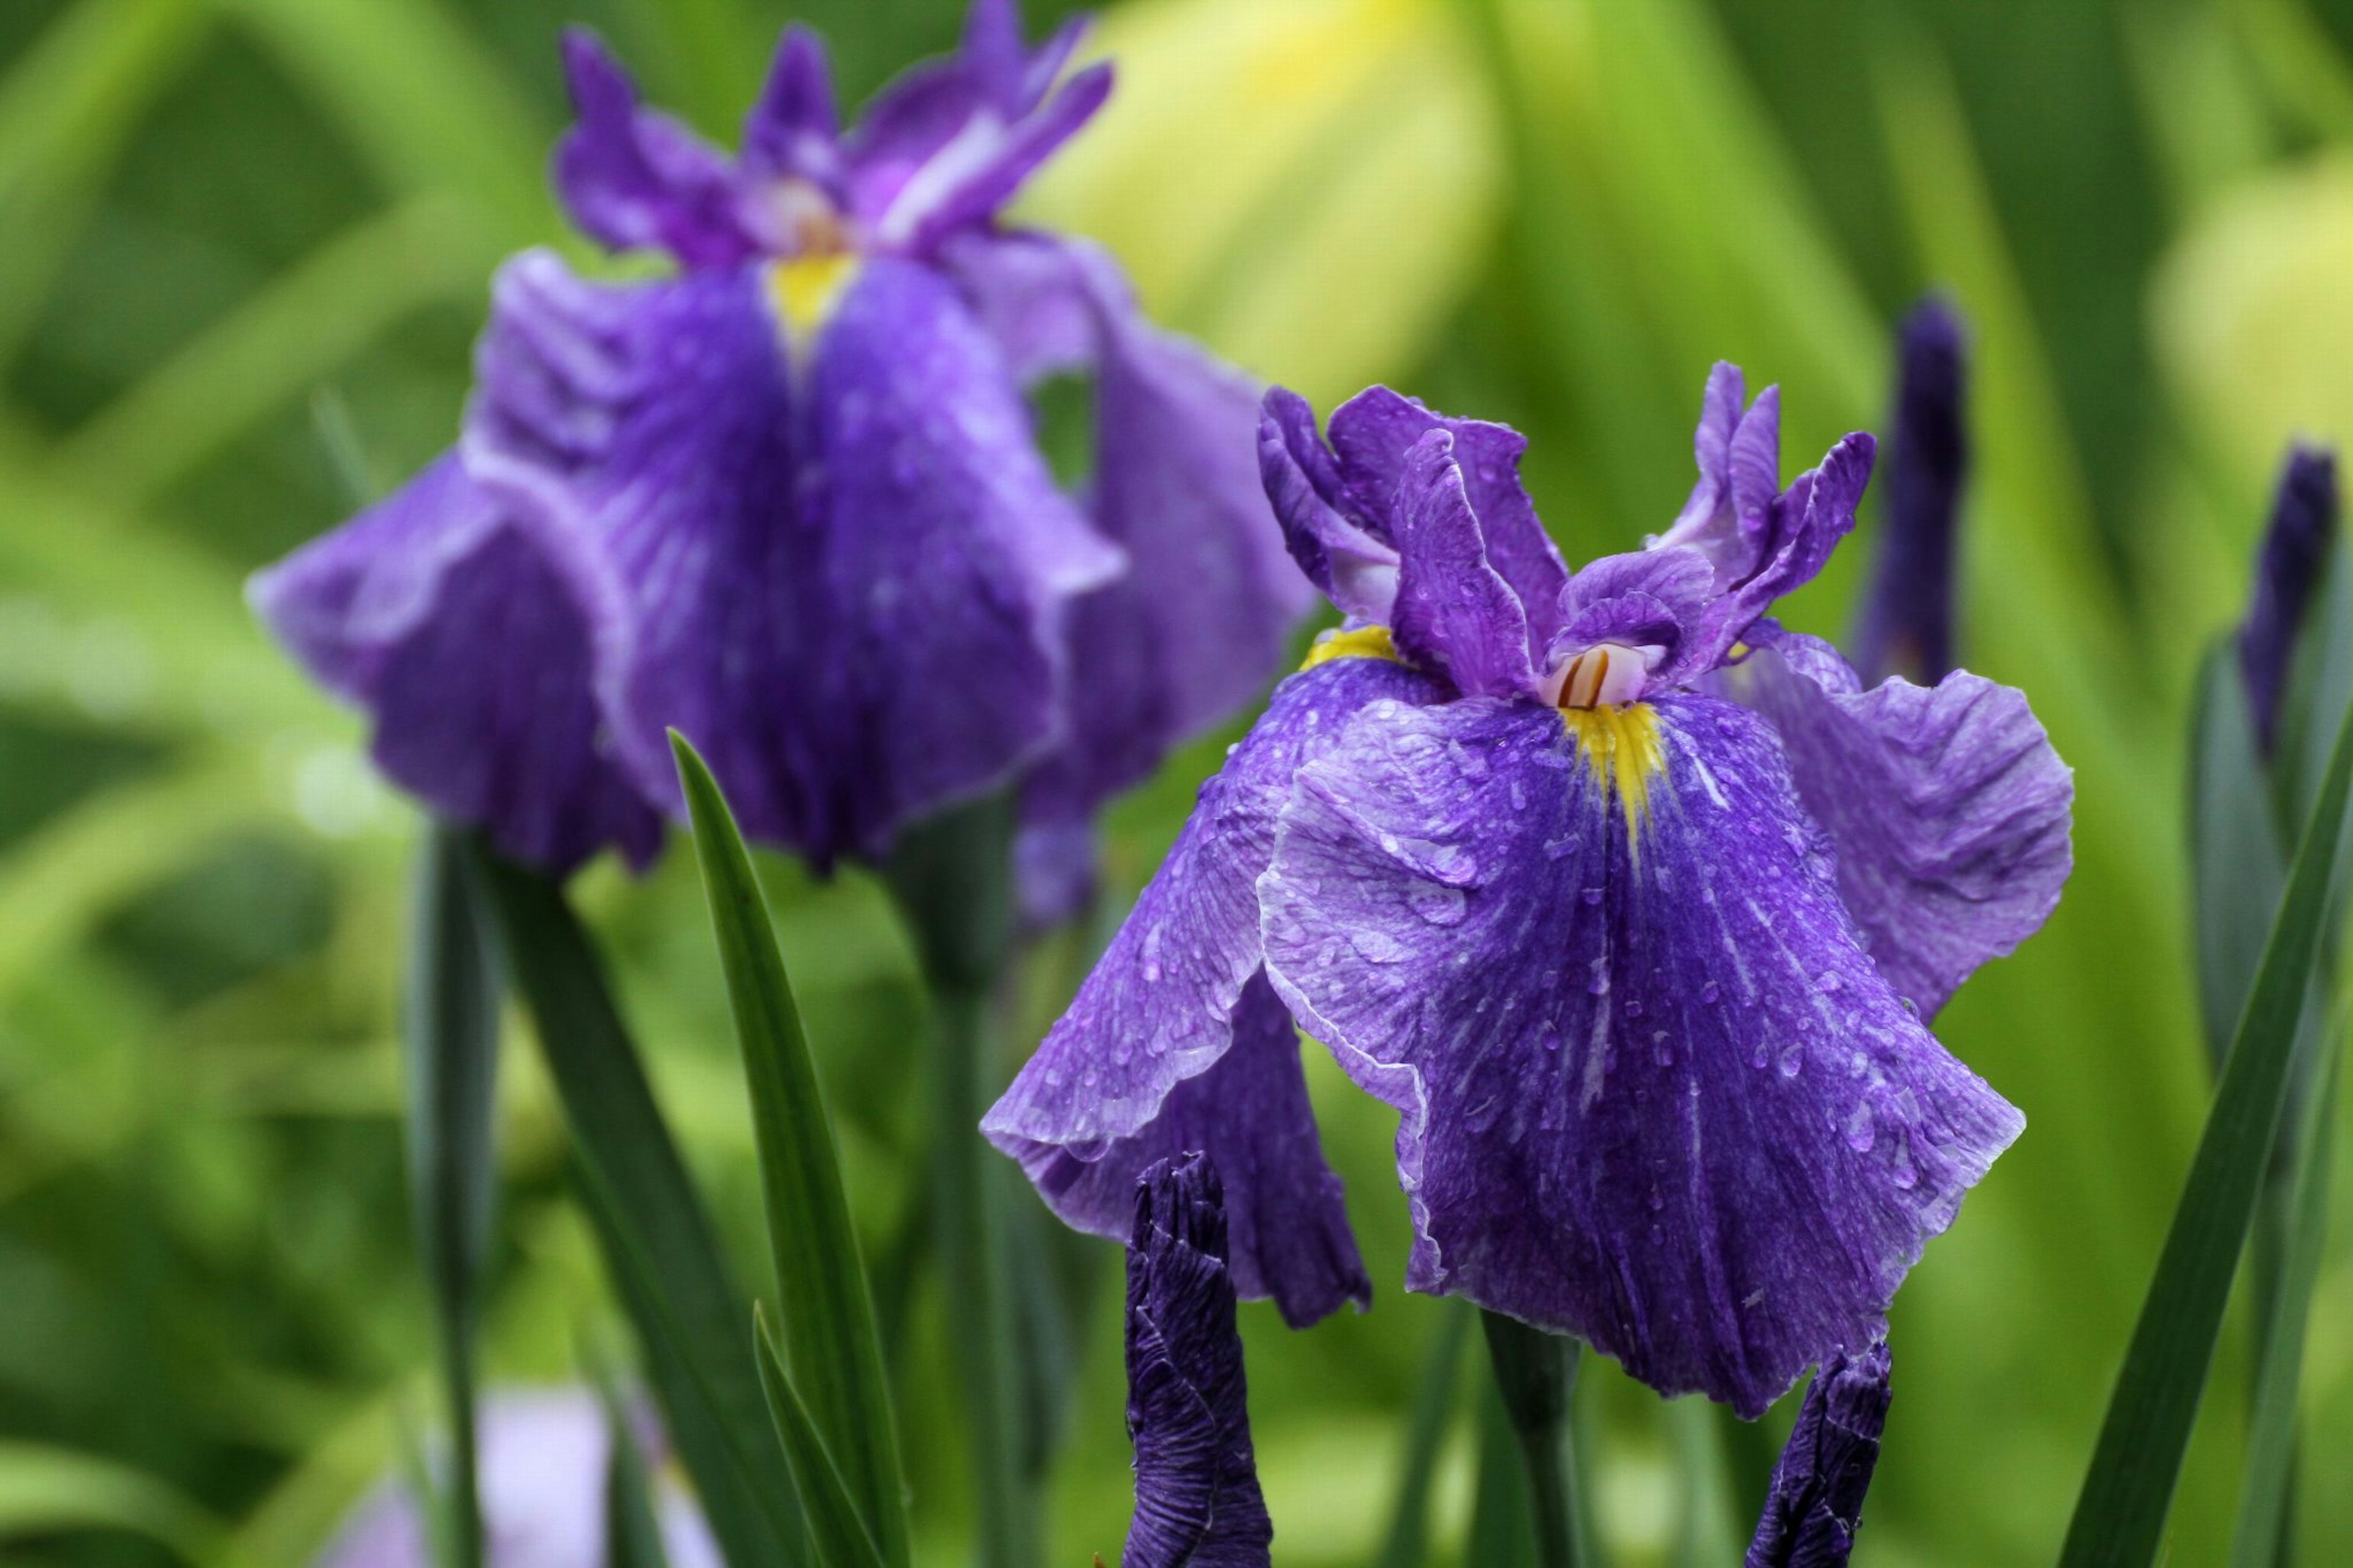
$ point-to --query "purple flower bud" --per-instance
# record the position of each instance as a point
(1197, 1498)
(2288, 574)
(1907, 626)
(1816, 1503)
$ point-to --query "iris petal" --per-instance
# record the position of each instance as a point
(1652, 1092)
(1948, 807)
(1160, 1008)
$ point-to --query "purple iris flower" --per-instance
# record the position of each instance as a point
(788, 498)
(1631, 902)
(542, 1473)
(1815, 1505)
(1907, 626)
(1197, 1503)
(2287, 577)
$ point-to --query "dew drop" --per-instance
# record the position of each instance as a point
(1862, 1131)
(1791, 1060)
(1634, 1008)
(1550, 1038)
(1436, 903)
(1453, 864)
(1592, 896)
(1377, 946)
(1708, 993)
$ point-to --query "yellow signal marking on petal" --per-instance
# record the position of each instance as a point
(806, 289)
(1623, 748)
(1365, 642)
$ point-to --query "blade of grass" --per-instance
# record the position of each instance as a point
(1407, 1545)
(2271, 1436)
(830, 1342)
(632, 1534)
(451, 1027)
(2120, 1514)
(657, 1237)
(295, 331)
(834, 1523)
(2236, 864)
(46, 1489)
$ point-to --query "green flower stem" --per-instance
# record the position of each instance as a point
(952, 879)
(1535, 1374)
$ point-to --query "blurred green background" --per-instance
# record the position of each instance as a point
(244, 246)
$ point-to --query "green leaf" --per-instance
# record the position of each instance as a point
(450, 1025)
(1407, 1545)
(46, 1489)
(2236, 862)
(2271, 1437)
(2120, 1514)
(632, 1534)
(830, 1341)
(834, 1522)
(658, 1239)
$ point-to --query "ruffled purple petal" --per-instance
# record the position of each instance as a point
(1160, 1008)
(1349, 556)
(635, 179)
(1801, 527)
(1250, 1113)
(1646, 598)
(1653, 1091)
(1197, 1503)
(1949, 808)
(847, 561)
(1738, 450)
(949, 142)
(1199, 625)
(543, 1471)
(1455, 614)
(1815, 1507)
(471, 640)
(1031, 294)
(1373, 435)
(794, 131)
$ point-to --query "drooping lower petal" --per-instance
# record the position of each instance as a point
(1197, 1503)
(1159, 1010)
(1949, 809)
(470, 639)
(1250, 1113)
(1198, 626)
(847, 561)
(1652, 1092)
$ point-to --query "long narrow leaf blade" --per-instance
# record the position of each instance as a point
(834, 1525)
(831, 1345)
(2271, 1439)
(2120, 1514)
(658, 1239)
(451, 1027)
(1434, 1399)
(632, 1535)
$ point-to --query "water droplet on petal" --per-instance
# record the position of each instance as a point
(1791, 1060)
(1862, 1131)
(1592, 896)
(1436, 903)
(1707, 992)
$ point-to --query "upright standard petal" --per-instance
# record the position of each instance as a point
(636, 179)
(1197, 1503)
(1815, 1506)
(1373, 435)
(1652, 1092)
(846, 564)
(1350, 555)
(470, 640)
(2287, 578)
(1949, 808)
(1160, 1012)
(1455, 614)
(1906, 626)
(794, 131)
